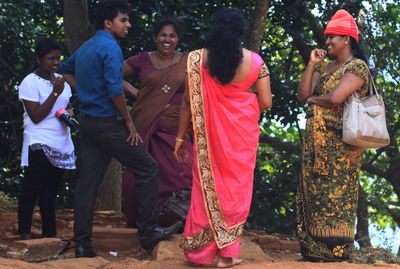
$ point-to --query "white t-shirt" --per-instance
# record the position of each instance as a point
(50, 131)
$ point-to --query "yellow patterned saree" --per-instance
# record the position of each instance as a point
(328, 185)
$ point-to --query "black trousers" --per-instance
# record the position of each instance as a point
(102, 139)
(40, 182)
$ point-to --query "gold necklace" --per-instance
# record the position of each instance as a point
(346, 60)
(340, 66)
(165, 88)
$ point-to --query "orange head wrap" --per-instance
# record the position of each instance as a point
(342, 23)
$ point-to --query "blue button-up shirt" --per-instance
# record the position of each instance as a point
(97, 66)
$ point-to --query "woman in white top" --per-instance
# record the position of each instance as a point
(47, 147)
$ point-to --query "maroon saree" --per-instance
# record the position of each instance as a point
(156, 117)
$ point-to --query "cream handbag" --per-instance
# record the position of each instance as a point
(364, 120)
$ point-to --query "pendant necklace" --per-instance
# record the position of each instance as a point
(165, 88)
(335, 62)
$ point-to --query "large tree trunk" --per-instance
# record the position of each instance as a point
(76, 23)
(362, 235)
(77, 30)
(256, 25)
(109, 194)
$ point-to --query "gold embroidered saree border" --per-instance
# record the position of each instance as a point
(264, 72)
(197, 241)
(217, 229)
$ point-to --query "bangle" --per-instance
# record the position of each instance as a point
(55, 94)
(179, 139)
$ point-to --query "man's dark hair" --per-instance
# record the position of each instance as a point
(108, 10)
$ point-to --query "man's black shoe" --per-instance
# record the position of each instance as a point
(84, 251)
(158, 234)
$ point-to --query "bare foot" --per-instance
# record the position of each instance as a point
(228, 262)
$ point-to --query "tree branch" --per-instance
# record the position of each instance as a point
(277, 143)
(368, 167)
(382, 206)
(256, 25)
(315, 26)
(303, 48)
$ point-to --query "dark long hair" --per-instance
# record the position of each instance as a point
(357, 50)
(224, 44)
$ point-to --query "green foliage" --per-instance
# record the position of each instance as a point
(21, 23)
(194, 17)
(6, 201)
(275, 183)
(292, 29)
(382, 36)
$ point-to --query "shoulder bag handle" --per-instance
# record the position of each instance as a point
(372, 87)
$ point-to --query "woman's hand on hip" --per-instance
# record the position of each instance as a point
(130, 89)
(134, 137)
(179, 151)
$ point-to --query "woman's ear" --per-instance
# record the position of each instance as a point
(347, 40)
(38, 60)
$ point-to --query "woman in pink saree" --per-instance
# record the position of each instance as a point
(224, 111)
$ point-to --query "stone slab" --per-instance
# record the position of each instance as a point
(114, 233)
(34, 250)
(78, 263)
(169, 250)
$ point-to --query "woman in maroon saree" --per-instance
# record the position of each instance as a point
(224, 112)
(156, 112)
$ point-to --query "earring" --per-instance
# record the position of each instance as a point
(345, 42)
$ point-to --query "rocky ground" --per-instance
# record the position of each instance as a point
(118, 247)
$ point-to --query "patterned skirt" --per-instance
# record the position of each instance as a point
(327, 194)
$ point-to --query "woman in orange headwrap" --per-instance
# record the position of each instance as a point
(328, 186)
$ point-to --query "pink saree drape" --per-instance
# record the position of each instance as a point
(226, 131)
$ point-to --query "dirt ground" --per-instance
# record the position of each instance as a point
(118, 247)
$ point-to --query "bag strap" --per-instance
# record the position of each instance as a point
(372, 90)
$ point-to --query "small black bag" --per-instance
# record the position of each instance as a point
(175, 208)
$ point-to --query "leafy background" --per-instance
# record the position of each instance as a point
(292, 29)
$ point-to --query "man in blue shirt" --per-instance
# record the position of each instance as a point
(107, 130)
